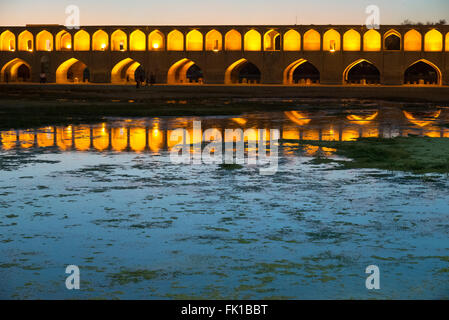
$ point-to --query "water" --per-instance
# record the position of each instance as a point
(106, 197)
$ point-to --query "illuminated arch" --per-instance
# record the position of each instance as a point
(119, 41)
(252, 41)
(233, 41)
(100, 40)
(26, 41)
(447, 42)
(372, 41)
(421, 77)
(184, 71)
(368, 72)
(351, 40)
(242, 71)
(44, 41)
(14, 70)
(63, 41)
(433, 41)
(137, 41)
(194, 41)
(81, 41)
(214, 41)
(7, 41)
(70, 71)
(272, 41)
(124, 71)
(392, 40)
(312, 40)
(306, 73)
(175, 41)
(292, 40)
(156, 41)
(331, 41)
(412, 41)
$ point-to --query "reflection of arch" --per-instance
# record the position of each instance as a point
(118, 41)
(351, 40)
(44, 41)
(16, 70)
(312, 40)
(412, 41)
(292, 40)
(100, 40)
(184, 71)
(242, 71)
(137, 41)
(25, 41)
(298, 117)
(433, 41)
(272, 41)
(301, 71)
(81, 41)
(252, 41)
(422, 121)
(362, 120)
(213, 41)
(331, 41)
(233, 41)
(372, 41)
(63, 41)
(392, 40)
(7, 41)
(71, 71)
(156, 41)
(124, 71)
(361, 71)
(175, 41)
(194, 41)
(423, 72)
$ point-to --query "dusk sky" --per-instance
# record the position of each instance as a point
(213, 12)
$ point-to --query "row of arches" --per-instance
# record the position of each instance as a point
(242, 71)
(252, 40)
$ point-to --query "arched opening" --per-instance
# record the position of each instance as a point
(194, 41)
(82, 41)
(124, 71)
(412, 41)
(233, 41)
(292, 40)
(184, 71)
(214, 41)
(301, 72)
(252, 41)
(447, 42)
(119, 41)
(175, 41)
(137, 41)
(433, 41)
(7, 41)
(272, 41)
(26, 41)
(392, 41)
(100, 40)
(242, 71)
(72, 71)
(156, 41)
(63, 41)
(423, 72)
(361, 72)
(17, 70)
(44, 41)
(331, 41)
(312, 40)
(372, 41)
(351, 40)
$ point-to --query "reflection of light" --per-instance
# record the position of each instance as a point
(421, 123)
(297, 117)
(361, 119)
(240, 121)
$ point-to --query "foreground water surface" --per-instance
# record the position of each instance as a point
(107, 198)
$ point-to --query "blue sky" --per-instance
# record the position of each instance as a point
(213, 12)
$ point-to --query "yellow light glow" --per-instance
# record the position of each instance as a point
(292, 40)
(421, 123)
(233, 41)
(331, 41)
(155, 45)
(312, 40)
(362, 119)
(252, 41)
(433, 41)
(298, 117)
(412, 41)
(351, 40)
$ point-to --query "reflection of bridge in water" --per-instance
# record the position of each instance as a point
(153, 134)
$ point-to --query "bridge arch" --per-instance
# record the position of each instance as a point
(194, 41)
(184, 71)
(175, 41)
(423, 72)
(392, 40)
(301, 71)
(351, 40)
(81, 41)
(242, 71)
(272, 41)
(119, 41)
(233, 40)
(137, 41)
(433, 41)
(214, 41)
(361, 71)
(44, 41)
(412, 41)
(124, 70)
(372, 41)
(252, 41)
(16, 70)
(331, 41)
(63, 41)
(26, 41)
(312, 40)
(7, 41)
(100, 41)
(72, 71)
(156, 41)
(447, 42)
(292, 40)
